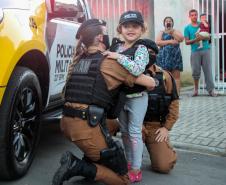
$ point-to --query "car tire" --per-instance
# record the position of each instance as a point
(19, 123)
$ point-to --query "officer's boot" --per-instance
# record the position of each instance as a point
(72, 166)
(107, 176)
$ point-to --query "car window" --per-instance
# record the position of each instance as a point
(69, 9)
(23, 4)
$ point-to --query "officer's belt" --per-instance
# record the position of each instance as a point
(152, 123)
(72, 112)
(155, 119)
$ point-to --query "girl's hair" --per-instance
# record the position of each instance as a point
(119, 28)
(168, 17)
(87, 37)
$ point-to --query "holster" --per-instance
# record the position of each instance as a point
(114, 158)
(95, 115)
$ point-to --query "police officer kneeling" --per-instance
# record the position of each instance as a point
(162, 113)
(87, 100)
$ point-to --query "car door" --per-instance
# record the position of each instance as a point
(62, 26)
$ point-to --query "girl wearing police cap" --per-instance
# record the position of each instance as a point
(91, 87)
(134, 57)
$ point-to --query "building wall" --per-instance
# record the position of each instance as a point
(178, 10)
(110, 11)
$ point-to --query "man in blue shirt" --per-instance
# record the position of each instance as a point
(200, 57)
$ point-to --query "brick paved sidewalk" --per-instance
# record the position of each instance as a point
(202, 124)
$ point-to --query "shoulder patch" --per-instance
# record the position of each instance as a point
(164, 77)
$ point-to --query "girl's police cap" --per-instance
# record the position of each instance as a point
(89, 23)
(131, 16)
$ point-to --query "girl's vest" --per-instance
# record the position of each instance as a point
(130, 52)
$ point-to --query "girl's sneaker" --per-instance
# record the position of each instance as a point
(135, 177)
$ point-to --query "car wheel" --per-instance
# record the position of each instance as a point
(19, 123)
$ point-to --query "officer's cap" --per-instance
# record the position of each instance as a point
(131, 16)
(89, 23)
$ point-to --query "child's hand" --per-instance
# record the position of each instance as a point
(203, 21)
(112, 55)
(146, 81)
(199, 38)
(152, 84)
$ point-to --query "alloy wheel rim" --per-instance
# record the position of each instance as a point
(24, 127)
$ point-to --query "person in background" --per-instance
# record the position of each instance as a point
(169, 56)
(131, 27)
(204, 28)
(200, 57)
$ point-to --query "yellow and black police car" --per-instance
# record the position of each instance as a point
(37, 40)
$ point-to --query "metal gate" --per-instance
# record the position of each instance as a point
(216, 11)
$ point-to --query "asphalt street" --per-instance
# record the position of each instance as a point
(191, 169)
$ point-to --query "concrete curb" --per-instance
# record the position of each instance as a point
(199, 148)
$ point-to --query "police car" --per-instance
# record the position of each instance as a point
(37, 40)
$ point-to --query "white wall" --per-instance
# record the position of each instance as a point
(178, 10)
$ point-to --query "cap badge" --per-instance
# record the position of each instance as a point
(129, 16)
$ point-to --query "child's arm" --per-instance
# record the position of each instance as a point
(114, 75)
(136, 66)
(146, 81)
(205, 24)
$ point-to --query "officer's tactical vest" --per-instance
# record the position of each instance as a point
(130, 52)
(159, 100)
(86, 84)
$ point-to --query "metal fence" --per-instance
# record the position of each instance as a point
(217, 15)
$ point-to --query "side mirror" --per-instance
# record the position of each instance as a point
(82, 18)
(62, 10)
(50, 6)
